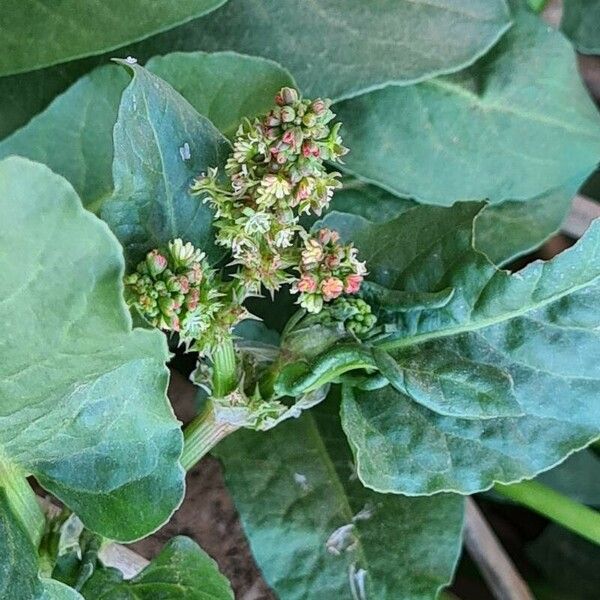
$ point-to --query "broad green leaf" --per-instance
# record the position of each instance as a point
(580, 20)
(82, 396)
(316, 532)
(224, 86)
(67, 29)
(334, 48)
(24, 95)
(516, 125)
(511, 229)
(160, 144)
(73, 136)
(182, 571)
(502, 231)
(540, 326)
(458, 39)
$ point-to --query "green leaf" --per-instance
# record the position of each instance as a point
(569, 562)
(502, 231)
(540, 326)
(516, 125)
(580, 20)
(225, 87)
(511, 229)
(54, 590)
(73, 136)
(182, 571)
(82, 396)
(335, 48)
(297, 495)
(18, 556)
(578, 477)
(66, 30)
(161, 144)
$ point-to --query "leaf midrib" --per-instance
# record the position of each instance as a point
(484, 323)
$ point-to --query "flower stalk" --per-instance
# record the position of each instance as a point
(202, 434)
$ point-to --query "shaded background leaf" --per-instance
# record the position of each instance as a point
(62, 30)
(517, 124)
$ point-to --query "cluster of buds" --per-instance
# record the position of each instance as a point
(175, 290)
(276, 173)
(327, 270)
(354, 313)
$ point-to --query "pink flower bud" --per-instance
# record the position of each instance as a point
(327, 236)
(156, 262)
(184, 284)
(332, 261)
(318, 107)
(307, 284)
(331, 288)
(288, 95)
(288, 114)
(310, 149)
(353, 282)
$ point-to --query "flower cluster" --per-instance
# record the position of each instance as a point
(327, 270)
(276, 173)
(175, 290)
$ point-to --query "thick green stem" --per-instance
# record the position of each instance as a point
(22, 500)
(557, 507)
(224, 369)
(201, 435)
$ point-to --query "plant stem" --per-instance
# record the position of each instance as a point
(201, 435)
(537, 5)
(224, 369)
(557, 507)
(22, 500)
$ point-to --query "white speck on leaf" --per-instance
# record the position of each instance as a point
(301, 480)
(342, 540)
(357, 579)
(133, 103)
(130, 60)
(185, 152)
(365, 514)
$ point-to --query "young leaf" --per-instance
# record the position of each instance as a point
(316, 532)
(161, 144)
(540, 326)
(518, 124)
(580, 20)
(75, 140)
(82, 396)
(182, 571)
(66, 30)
